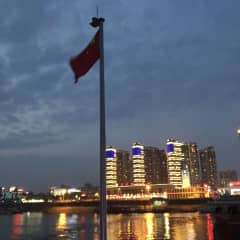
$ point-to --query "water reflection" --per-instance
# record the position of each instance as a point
(96, 227)
(149, 223)
(26, 224)
(72, 219)
(183, 226)
(62, 221)
(166, 226)
(210, 227)
(138, 226)
(148, 226)
(16, 225)
(73, 226)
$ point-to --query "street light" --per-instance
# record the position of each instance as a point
(148, 187)
(238, 132)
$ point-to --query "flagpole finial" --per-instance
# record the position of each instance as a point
(97, 11)
(96, 22)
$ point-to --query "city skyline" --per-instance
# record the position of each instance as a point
(131, 152)
(171, 70)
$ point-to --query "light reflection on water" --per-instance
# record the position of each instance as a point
(85, 226)
(150, 226)
(25, 224)
(166, 226)
(74, 226)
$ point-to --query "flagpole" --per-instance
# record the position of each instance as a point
(98, 22)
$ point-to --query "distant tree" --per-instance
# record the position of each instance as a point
(30, 194)
(88, 185)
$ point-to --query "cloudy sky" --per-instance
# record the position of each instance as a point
(172, 70)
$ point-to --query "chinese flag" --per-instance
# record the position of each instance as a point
(82, 63)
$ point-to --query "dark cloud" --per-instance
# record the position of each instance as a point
(172, 70)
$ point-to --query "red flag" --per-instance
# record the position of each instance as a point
(82, 63)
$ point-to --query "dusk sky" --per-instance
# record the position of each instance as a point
(172, 70)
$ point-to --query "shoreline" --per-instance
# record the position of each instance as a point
(113, 206)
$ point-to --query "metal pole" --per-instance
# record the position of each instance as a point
(98, 22)
(103, 223)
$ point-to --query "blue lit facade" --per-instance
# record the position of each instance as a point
(111, 167)
(175, 159)
(170, 147)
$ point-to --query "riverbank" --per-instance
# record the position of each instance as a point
(114, 206)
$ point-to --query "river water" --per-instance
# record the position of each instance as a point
(85, 226)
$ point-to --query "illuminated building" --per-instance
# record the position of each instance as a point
(62, 191)
(188, 193)
(191, 158)
(234, 188)
(124, 168)
(139, 191)
(111, 167)
(175, 159)
(155, 162)
(138, 167)
(55, 191)
(208, 166)
(12, 188)
(225, 177)
(185, 176)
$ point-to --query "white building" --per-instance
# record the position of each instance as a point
(175, 159)
(111, 167)
(62, 191)
(138, 166)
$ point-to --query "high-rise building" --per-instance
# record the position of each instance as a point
(191, 158)
(155, 162)
(175, 160)
(208, 166)
(185, 176)
(124, 168)
(111, 167)
(163, 179)
(138, 168)
(227, 176)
